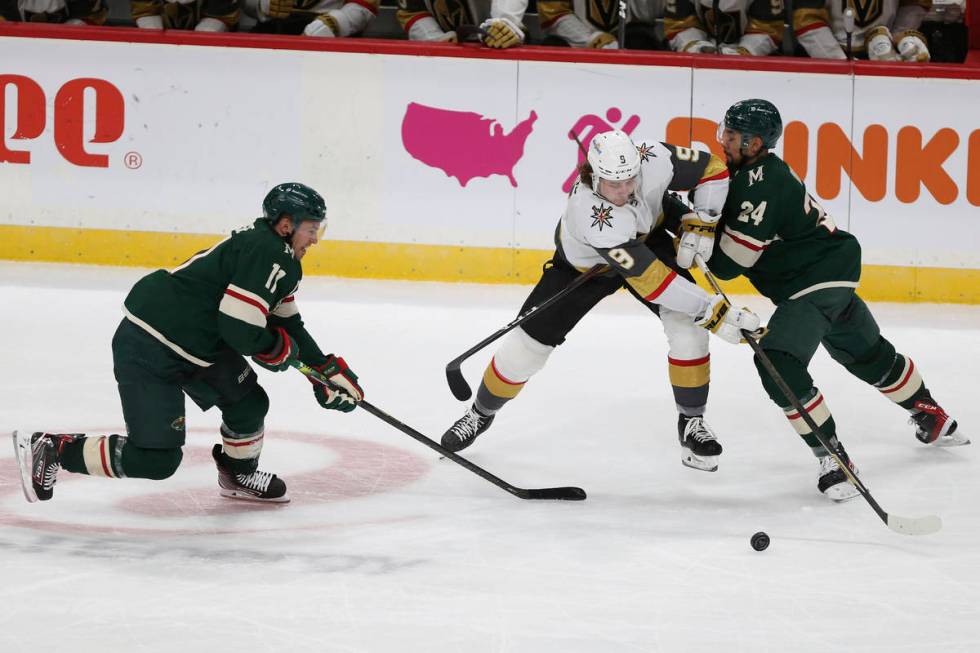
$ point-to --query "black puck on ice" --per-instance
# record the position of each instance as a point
(760, 541)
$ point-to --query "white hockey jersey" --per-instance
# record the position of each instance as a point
(593, 230)
(819, 24)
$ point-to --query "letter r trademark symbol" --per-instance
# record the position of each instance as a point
(133, 160)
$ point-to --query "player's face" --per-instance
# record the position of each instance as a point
(617, 192)
(731, 142)
(305, 236)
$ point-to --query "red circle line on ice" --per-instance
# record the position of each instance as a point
(358, 468)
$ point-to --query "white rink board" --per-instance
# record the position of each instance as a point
(925, 232)
(209, 149)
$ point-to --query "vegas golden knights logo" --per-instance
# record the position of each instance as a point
(450, 14)
(604, 13)
(865, 11)
(729, 27)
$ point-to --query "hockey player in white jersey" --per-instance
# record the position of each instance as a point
(615, 215)
(197, 15)
(884, 30)
(738, 27)
(320, 18)
(496, 24)
(595, 23)
(65, 12)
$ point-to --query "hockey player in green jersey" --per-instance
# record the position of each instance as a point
(187, 331)
(773, 232)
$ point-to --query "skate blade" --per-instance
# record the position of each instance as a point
(954, 440)
(22, 452)
(245, 496)
(702, 463)
(841, 492)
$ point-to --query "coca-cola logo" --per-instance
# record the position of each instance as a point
(67, 117)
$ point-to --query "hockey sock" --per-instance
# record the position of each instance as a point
(689, 380)
(902, 383)
(95, 456)
(518, 358)
(241, 450)
(815, 406)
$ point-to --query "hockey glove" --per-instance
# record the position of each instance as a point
(727, 322)
(734, 49)
(276, 8)
(501, 33)
(697, 237)
(880, 45)
(700, 47)
(348, 393)
(912, 47)
(324, 26)
(604, 41)
(285, 350)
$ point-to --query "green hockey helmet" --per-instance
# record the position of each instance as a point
(298, 201)
(755, 118)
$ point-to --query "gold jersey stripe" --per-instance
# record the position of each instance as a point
(651, 279)
(807, 17)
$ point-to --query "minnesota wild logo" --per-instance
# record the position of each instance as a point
(645, 151)
(602, 216)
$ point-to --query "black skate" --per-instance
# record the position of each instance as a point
(934, 426)
(461, 434)
(700, 447)
(833, 481)
(256, 486)
(39, 458)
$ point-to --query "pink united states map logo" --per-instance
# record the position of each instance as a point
(463, 144)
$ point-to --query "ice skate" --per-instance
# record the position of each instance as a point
(466, 429)
(39, 458)
(700, 447)
(833, 481)
(257, 486)
(934, 426)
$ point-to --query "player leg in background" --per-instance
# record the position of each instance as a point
(525, 350)
(148, 376)
(855, 341)
(688, 367)
(795, 330)
(231, 385)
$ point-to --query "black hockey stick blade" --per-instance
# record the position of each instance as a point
(556, 494)
(545, 494)
(457, 384)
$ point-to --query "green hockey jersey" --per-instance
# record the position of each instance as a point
(224, 298)
(778, 236)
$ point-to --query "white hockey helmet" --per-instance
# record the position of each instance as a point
(613, 156)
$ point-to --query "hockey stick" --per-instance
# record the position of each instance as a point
(550, 493)
(848, 19)
(466, 32)
(904, 525)
(621, 37)
(457, 384)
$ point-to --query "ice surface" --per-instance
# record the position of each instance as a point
(386, 548)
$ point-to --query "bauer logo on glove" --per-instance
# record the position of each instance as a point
(346, 392)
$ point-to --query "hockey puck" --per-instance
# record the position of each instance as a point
(760, 541)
